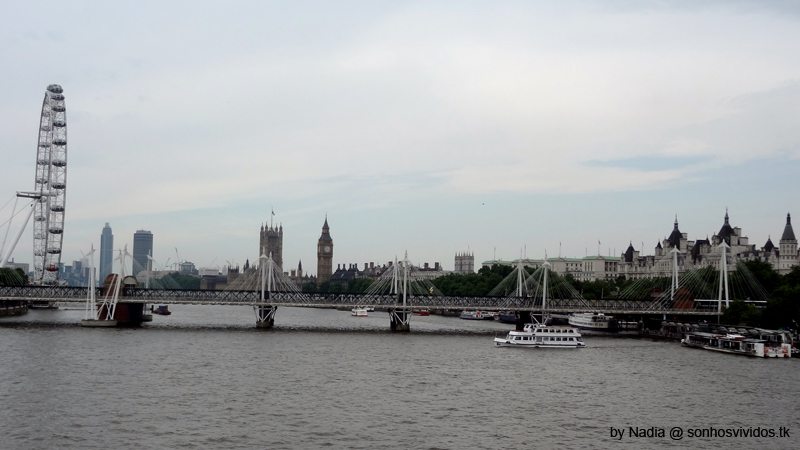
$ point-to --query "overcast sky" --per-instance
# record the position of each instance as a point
(431, 127)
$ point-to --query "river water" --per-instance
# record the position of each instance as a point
(206, 378)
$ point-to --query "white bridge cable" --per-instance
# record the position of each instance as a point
(558, 289)
(251, 280)
(510, 285)
(519, 284)
(751, 288)
(699, 283)
(161, 280)
(656, 288)
(390, 282)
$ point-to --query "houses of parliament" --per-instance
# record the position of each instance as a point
(271, 242)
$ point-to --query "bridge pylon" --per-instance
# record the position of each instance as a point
(265, 314)
(400, 318)
(104, 312)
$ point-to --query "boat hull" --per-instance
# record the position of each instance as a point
(594, 322)
(507, 317)
(500, 342)
(359, 313)
(542, 336)
(477, 315)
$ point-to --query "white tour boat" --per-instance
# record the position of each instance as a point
(544, 336)
(477, 315)
(738, 344)
(359, 312)
(594, 321)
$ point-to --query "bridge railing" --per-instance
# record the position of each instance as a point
(434, 302)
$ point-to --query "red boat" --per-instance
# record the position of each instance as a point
(422, 312)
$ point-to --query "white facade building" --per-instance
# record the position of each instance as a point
(691, 255)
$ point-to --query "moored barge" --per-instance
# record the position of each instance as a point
(739, 345)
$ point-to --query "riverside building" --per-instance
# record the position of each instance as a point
(691, 255)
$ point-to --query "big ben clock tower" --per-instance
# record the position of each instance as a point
(324, 254)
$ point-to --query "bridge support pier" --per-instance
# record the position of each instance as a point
(265, 316)
(400, 319)
(124, 314)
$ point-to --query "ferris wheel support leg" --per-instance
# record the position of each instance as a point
(16, 239)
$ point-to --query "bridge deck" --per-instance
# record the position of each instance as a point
(337, 300)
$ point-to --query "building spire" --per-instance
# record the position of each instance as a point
(788, 232)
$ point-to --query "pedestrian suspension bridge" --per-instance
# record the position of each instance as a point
(404, 288)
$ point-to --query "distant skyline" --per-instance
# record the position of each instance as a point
(427, 127)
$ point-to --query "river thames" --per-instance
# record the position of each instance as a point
(206, 378)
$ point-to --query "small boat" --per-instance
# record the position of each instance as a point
(594, 321)
(507, 316)
(738, 344)
(359, 312)
(422, 312)
(477, 315)
(42, 305)
(370, 309)
(537, 335)
(162, 310)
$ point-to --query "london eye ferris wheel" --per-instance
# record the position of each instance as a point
(51, 186)
(50, 192)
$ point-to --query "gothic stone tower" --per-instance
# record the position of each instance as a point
(788, 248)
(272, 241)
(324, 254)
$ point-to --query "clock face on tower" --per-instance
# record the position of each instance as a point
(327, 249)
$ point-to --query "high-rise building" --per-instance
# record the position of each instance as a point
(142, 246)
(324, 254)
(106, 253)
(271, 241)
